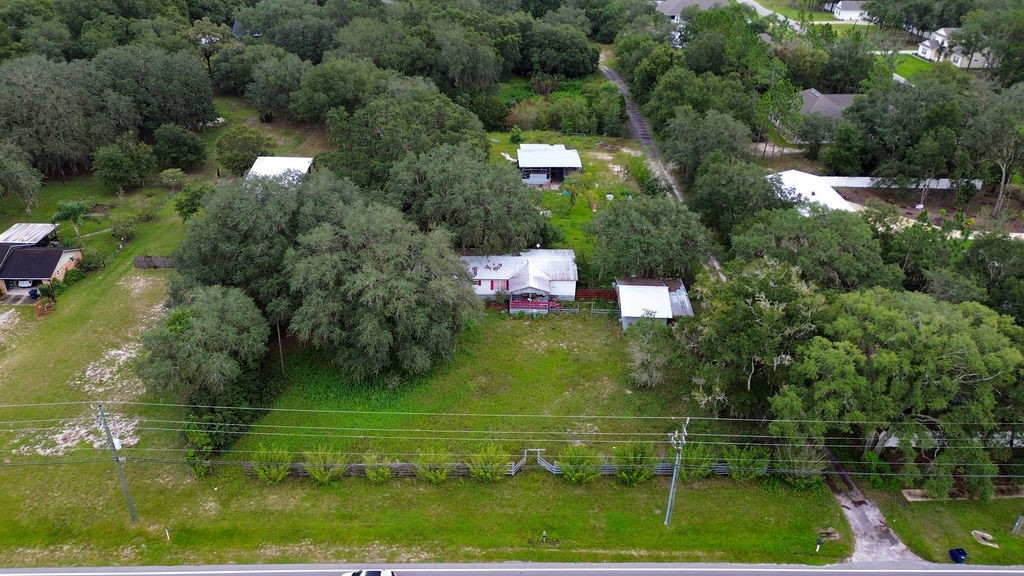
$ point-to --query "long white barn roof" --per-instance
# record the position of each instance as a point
(26, 233)
(271, 166)
(548, 156)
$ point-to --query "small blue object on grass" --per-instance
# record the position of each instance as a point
(958, 555)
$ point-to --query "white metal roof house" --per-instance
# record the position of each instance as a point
(811, 188)
(26, 261)
(280, 167)
(27, 234)
(661, 300)
(545, 163)
(849, 10)
(534, 280)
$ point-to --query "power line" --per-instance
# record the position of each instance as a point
(881, 423)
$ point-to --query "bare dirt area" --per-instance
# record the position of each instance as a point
(75, 432)
(979, 208)
(9, 321)
(905, 201)
(109, 378)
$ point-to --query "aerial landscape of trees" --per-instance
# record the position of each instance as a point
(864, 326)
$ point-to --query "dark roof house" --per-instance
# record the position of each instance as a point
(673, 8)
(25, 260)
(830, 105)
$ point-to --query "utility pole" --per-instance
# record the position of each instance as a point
(117, 464)
(678, 440)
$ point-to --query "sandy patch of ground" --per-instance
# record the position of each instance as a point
(372, 553)
(136, 285)
(581, 432)
(111, 379)
(75, 432)
(9, 320)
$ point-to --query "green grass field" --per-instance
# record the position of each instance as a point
(791, 11)
(505, 366)
(931, 529)
(910, 66)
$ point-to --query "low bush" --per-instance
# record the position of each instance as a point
(800, 466)
(580, 465)
(200, 449)
(433, 465)
(324, 465)
(489, 464)
(634, 463)
(91, 261)
(123, 229)
(696, 462)
(880, 473)
(377, 472)
(746, 462)
(271, 464)
(73, 276)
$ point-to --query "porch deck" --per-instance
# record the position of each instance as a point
(532, 306)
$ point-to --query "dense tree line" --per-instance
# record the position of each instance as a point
(319, 259)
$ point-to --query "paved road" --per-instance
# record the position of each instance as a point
(640, 130)
(531, 569)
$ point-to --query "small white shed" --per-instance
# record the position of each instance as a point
(658, 299)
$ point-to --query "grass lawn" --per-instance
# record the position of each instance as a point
(931, 529)
(879, 38)
(562, 367)
(553, 369)
(789, 10)
(910, 66)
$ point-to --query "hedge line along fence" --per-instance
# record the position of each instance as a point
(749, 464)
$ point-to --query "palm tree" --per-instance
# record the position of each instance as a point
(74, 211)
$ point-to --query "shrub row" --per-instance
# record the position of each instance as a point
(631, 464)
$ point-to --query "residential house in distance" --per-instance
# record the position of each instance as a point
(937, 48)
(535, 281)
(542, 164)
(829, 105)
(27, 260)
(285, 167)
(674, 8)
(662, 300)
(849, 10)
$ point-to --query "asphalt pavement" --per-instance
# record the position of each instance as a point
(532, 569)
